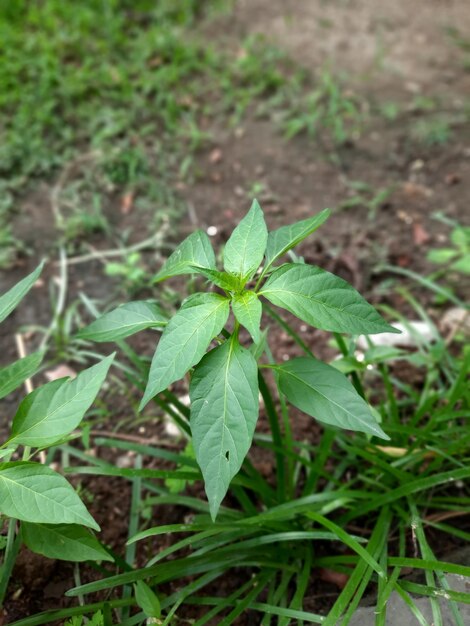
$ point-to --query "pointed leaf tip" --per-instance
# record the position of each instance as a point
(285, 238)
(195, 250)
(322, 300)
(327, 395)
(244, 251)
(224, 410)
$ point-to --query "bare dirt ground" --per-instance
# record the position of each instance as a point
(386, 51)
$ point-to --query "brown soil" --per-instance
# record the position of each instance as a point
(388, 51)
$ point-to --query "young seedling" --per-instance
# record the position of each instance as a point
(224, 388)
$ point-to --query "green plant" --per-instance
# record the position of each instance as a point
(366, 195)
(9, 244)
(134, 276)
(389, 110)
(40, 507)
(257, 72)
(224, 386)
(433, 131)
(329, 109)
(81, 224)
(319, 493)
(457, 257)
(352, 505)
(462, 42)
(96, 620)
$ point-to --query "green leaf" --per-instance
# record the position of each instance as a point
(257, 349)
(379, 354)
(6, 452)
(52, 411)
(146, 599)
(15, 374)
(13, 297)
(34, 493)
(245, 248)
(442, 255)
(224, 410)
(324, 393)
(462, 265)
(185, 340)
(285, 238)
(67, 542)
(194, 250)
(248, 309)
(225, 281)
(460, 237)
(323, 300)
(124, 321)
(40, 399)
(96, 619)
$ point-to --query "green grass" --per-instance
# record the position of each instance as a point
(122, 86)
(329, 111)
(462, 43)
(365, 195)
(456, 257)
(107, 97)
(437, 131)
(92, 74)
(108, 94)
(118, 77)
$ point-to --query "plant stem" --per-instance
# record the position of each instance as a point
(261, 276)
(276, 434)
(78, 582)
(11, 550)
(133, 529)
(288, 442)
(60, 299)
(393, 407)
(285, 326)
(356, 381)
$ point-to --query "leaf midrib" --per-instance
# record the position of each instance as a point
(125, 309)
(322, 395)
(49, 416)
(183, 264)
(243, 257)
(196, 330)
(117, 324)
(319, 302)
(224, 417)
(23, 366)
(245, 303)
(292, 243)
(36, 494)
